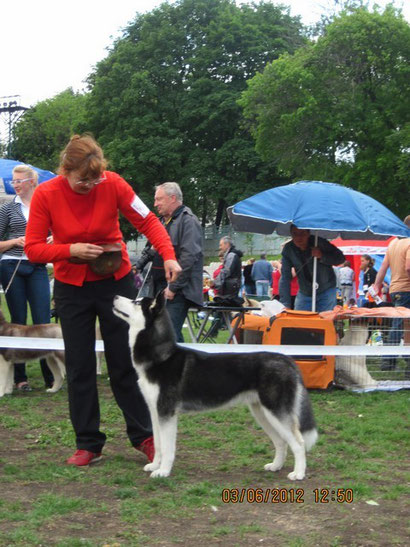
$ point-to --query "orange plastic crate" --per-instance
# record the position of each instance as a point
(297, 328)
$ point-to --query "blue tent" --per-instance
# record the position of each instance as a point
(6, 173)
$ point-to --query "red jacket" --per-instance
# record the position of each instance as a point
(294, 285)
(50, 210)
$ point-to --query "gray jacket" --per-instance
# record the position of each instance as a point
(302, 261)
(186, 235)
(228, 281)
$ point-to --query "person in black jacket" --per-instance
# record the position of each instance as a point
(250, 288)
(299, 254)
(229, 280)
(185, 232)
(369, 273)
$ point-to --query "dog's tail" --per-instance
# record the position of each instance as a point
(310, 437)
(306, 420)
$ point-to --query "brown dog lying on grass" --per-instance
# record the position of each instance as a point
(9, 356)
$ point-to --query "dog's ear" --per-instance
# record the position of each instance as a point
(159, 302)
(146, 304)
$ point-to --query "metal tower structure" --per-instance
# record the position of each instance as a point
(10, 112)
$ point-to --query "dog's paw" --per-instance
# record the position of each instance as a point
(51, 390)
(272, 467)
(160, 473)
(293, 476)
(151, 467)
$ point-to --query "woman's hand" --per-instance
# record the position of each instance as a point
(172, 270)
(19, 241)
(85, 251)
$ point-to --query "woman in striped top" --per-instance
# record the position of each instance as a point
(30, 283)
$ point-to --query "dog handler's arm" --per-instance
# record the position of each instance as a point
(4, 225)
(85, 251)
(38, 245)
(407, 265)
(10, 243)
(172, 270)
(38, 231)
(330, 254)
(135, 210)
(381, 274)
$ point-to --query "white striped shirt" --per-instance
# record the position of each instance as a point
(12, 225)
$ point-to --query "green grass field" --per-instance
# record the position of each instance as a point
(363, 446)
(218, 493)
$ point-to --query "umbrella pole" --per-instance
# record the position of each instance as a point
(314, 284)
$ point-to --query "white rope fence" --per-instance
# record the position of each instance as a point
(58, 344)
(38, 343)
(303, 350)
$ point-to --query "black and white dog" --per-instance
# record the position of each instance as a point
(174, 379)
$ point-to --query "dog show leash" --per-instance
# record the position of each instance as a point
(13, 276)
(145, 278)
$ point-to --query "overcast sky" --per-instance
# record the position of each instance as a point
(49, 45)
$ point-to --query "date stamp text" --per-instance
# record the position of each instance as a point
(286, 495)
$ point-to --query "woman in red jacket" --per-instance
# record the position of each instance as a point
(80, 207)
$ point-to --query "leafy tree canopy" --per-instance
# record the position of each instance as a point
(338, 108)
(163, 104)
(45, 129)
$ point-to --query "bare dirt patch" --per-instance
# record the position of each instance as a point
(276, 522)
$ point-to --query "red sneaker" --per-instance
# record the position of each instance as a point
(84, 457)
(147, 448)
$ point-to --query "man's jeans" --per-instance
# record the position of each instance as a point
(262, 287)
(325, 300)
(178, 308)
(396, 332)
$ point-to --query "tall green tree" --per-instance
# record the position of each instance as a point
(45, 129)
(164, 102)
(338, 109)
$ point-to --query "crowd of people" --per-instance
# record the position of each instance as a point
(72, 222)
(290, 280)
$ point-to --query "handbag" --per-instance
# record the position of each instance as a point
(107, 263)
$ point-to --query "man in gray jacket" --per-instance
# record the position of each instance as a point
(229, 280)
(186, 235)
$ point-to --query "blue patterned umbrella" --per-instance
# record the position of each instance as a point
(6, 173)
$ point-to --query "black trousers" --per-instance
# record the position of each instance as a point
(78, 308)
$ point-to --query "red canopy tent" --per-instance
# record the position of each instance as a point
(353, 249)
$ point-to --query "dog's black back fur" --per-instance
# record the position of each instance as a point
(173, 378)
(195, 380)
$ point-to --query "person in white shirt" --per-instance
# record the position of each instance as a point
(346, 281)
(23, 281)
